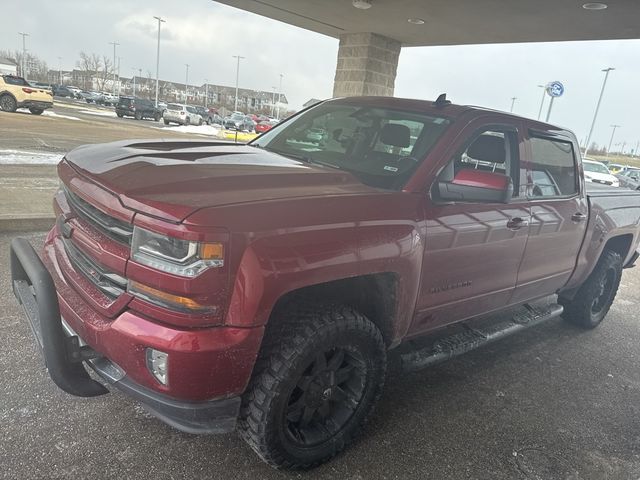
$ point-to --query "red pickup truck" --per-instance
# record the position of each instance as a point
(261, 287)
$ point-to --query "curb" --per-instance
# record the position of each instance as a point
(25, 223)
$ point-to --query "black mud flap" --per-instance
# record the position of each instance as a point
(35, 290)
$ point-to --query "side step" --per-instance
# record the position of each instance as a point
(472, 338)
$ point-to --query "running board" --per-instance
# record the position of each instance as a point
(472, 338)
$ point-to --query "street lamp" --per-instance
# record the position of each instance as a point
(186, 85)
(24, 54)
(279, 98)
(513, 101)
(206, 92)
(160, 21)
(595, 115)
(238, 57)
(611, 140)
(60, 69)
(544, 92)
(273, 101)
(113, 85)
(134, 81)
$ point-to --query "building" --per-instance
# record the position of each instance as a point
(8, 66)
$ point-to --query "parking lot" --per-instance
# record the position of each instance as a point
(552, 403)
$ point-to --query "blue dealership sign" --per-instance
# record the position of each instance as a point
(555, 89)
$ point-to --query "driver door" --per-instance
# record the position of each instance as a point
(473, 249)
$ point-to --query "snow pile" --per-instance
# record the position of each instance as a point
(50, 113)
(16, 157)
(99, 113)
(198, 129)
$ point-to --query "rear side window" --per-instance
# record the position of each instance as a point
(173, 106)
(15, 81)
(553, 168)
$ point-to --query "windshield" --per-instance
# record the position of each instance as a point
(595, 167)
(381, 147)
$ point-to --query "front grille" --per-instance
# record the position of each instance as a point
(112, 227)
(109, 283)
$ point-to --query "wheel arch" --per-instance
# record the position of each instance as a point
(374, 295)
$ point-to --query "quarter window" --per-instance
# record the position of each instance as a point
(553, 168)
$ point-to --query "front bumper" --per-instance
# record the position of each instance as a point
(64, 354)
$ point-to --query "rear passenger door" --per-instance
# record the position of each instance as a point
(559, 214)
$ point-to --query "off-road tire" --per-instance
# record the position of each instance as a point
(166, 122)
(594, 298)
(138, 116)
(36, 111)
(8, 103)
(157, 117)
(288, 358)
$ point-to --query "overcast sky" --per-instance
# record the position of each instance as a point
(206, 34)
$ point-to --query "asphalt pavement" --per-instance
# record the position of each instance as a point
(551, 403)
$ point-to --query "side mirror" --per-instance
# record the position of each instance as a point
(476, 186)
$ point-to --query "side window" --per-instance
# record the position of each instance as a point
(494, 151)
(553, 168)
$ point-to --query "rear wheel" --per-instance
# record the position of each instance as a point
(187, 121)
(594, 298)
(319, 374)
(138, 116)
(120, 115)
(36, 111)
(166, 122)
(8, 103)
(157, 117)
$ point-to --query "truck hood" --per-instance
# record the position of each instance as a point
(173, 179)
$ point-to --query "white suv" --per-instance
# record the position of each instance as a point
(181, 114)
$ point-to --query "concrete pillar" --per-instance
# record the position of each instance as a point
(367, 65)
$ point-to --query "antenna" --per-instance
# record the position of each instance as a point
(441, 101)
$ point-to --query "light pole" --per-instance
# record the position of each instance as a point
(186, 85)
(544, 92)
(513, 101)
(160, 21)
(635, 151)
(60, 69)
(119, 76)
(611, 140)
(113, 85)
(24, 54)
(134, 81)
(595, 115)
(279, 98)
(273, 101)
(206, 92)
(238, 58)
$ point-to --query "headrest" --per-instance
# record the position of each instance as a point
(395, 135)
(487, 148)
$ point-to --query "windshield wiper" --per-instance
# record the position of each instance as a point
(302, 158)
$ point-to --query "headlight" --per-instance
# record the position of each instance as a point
(173, 255)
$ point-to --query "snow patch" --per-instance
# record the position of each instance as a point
(16, 157)
(199, 129)
(99, 113)
(50, 113)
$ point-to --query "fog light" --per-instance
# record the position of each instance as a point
(157, 363)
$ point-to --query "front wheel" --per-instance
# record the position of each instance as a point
(320, 372)
(36, 111)
(166, 122)
(594, 298)
(157, 117)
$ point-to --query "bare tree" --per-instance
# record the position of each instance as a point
(36, 68)
(95, 70)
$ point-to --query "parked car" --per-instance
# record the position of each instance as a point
(44, 86)
(139, 108)
(15, 92)
(109, 99)
(238, 121)
(261, 287)
(615, 168)
(62, 91)
(629, 178)
(181, 114)
(264, 126)
(598, 172)
(91, 97)
(209, 115)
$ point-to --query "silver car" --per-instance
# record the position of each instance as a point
(181, 114)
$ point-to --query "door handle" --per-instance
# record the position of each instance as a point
(578, 217)
(517, 223)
